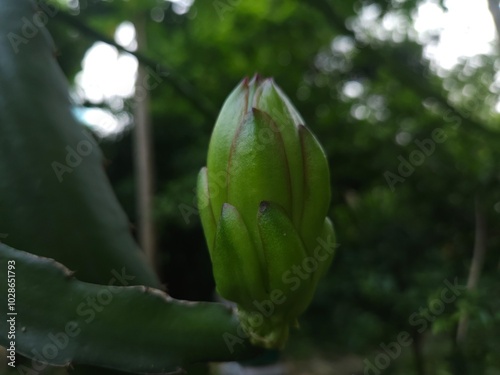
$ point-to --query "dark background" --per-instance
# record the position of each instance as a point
(371, 98)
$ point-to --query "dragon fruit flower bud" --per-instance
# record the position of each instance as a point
(263, 200)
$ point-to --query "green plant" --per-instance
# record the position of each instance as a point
(75, 219)
(263, 200)
(84, 294)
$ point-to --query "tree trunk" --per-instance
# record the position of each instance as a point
(417, 353)
(143, 153)
(476, 264)
(495, 12)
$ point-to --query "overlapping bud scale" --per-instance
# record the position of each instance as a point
(263, 199)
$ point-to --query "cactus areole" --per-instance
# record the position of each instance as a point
(263, 200)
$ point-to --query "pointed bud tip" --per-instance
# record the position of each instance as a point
(227, 209)
(268, 82)
(264, 205)
(258, 79)
(255, 111)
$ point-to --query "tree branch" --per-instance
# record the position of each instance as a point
(413, 76)
(476, 264)
(182, 86)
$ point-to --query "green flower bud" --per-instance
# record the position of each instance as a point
(263, 200)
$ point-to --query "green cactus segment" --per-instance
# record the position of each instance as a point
(236, 263)
(205, 208)
(316, 186)
(128, 328)
(56, 200)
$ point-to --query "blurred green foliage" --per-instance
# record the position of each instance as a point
(371, 98)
